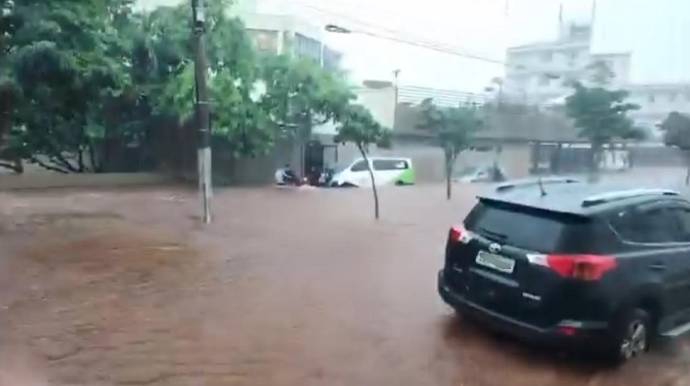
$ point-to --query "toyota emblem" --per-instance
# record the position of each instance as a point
(494, 248)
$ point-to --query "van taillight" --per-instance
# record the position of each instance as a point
(581, 267)
(459, 234)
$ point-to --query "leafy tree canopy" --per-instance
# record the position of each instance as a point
(301, 94)
(453, 127)
(600, 114)
(66, 63)
(237, 120)
(358, 126)
(80, 74)
(676, 128)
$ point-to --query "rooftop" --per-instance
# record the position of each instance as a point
(550, 45)
(577, 198)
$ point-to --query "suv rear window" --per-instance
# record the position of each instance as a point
(528, 228)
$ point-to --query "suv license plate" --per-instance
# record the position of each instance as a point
(496, 262)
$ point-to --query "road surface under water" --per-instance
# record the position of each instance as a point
(286, 287)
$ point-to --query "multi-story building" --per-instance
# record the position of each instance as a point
(272, 27)
(538, 72)
(656, 101)
(543, 73)
(286, 33)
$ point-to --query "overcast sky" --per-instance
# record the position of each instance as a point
(656, 31)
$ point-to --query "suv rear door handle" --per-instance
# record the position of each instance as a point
(657, 267)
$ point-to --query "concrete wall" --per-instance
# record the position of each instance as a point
(513, 158)
(105, 180)
(258, 170)
(429, 163)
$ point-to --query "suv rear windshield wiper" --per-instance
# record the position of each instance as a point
(494, 234)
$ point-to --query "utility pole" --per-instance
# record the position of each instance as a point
(202, 106)
(396, 74)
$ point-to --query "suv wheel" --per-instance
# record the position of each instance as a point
(633, 336)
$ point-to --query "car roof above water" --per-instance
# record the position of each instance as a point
(574, 197)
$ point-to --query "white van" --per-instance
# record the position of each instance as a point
(387, 171)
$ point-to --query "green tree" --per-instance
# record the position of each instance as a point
(454, 128)
(300, 95)
(358, 126)
(165, 57)
(601, 116)
(66, 62)
(676, 128)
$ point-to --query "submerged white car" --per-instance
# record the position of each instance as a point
(479, 174)
(387, 171)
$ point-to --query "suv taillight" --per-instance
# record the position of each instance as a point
(459, 234)
(581, 267)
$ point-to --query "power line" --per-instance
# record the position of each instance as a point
(397, 16)
(432, 46)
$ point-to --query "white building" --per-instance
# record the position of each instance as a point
(542, 73)
(286, 33)
(276, 32)
(656, 101)
(536, 73)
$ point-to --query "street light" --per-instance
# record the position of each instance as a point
(337, 29)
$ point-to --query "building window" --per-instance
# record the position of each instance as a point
(672, 96)
(307, 48)
(572, 59)
(264, 40)
(651, 98)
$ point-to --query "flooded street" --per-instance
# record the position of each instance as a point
(286, 287)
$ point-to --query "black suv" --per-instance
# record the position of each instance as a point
(573, 264)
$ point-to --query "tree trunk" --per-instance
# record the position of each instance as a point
(301, 159)
(80, 159)
(556, 159)
(449, 173)
(92, 157)
(594, 160)
(687, 162)
(373, 181)
(496, 164)
(449, 187)
(536, 154)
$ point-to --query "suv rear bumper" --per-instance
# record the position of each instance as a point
(586, 334)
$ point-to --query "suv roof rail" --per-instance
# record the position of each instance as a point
(535, 182)
(623, 194)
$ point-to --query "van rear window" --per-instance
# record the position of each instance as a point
(527, 228)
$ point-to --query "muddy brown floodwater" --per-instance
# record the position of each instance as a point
(284, 288)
